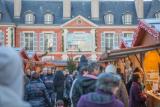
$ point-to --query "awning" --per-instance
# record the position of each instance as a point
(122, 53)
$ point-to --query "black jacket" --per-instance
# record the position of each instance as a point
(82, 86)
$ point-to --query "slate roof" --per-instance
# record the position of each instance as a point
(118, 9)
(0, 5)
(4, 11)
(155, 23)
(83, 8)
(155, 7)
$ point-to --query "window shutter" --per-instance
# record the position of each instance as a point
(41, 41)
(120, 37)
(116, 40)
(54, 47)
(35, 41)
(22, 40)
(103, 42)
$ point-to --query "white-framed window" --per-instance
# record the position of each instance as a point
(157, 15)
(48, 41)
(28, 40)
(109, 41)
(2, 38)
(29, 18)
(128, 36)
(48, 18)
(109, 18)
(127, 19)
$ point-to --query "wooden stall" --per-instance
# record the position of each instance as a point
(144, 53)
(35, 63)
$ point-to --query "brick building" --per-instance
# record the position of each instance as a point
(72, 28)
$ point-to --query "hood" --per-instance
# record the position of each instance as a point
(11, 75)
(111, 69)
(101, 97)
(88, 83)
(8, 98)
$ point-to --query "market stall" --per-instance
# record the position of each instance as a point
(145, 54)
(34, 62)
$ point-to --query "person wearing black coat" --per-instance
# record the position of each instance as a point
(49, 83)
(58, 88)
(36, 93)
(85, 83)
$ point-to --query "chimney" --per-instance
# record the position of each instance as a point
(139, 8)
(95, 9)
(17, 8)
(66, 8)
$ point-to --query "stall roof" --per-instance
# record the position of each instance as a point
(121, 53)
(155, 23)
(59, 63)
(152, 26)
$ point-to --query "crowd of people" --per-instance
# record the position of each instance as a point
(90, 86)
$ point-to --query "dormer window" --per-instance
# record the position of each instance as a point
(48, 18)
(127, 19)
(109, 18)
(157, 15)
(29, 18)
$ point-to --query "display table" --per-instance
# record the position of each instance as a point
(153, 100)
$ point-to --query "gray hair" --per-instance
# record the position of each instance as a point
(107, 81)
(92, 66)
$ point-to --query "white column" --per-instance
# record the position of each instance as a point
(93, 32)
(65, 38)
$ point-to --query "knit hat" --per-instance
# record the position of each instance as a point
(107, 80)
(111, 68)
(83, 62)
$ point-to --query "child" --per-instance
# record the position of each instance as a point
(60, 103)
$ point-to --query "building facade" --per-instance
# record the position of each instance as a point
(72, 28)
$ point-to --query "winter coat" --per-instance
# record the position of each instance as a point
(82, 85)
(59, 84)
(137, 97)
(48, 81)
(122, 94)
(99, 99)
(67, 85)
(128, 86)
(36, 94)
(11, 79)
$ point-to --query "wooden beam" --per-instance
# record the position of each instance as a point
(129, 59)
(139, 61)
(158, 51)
